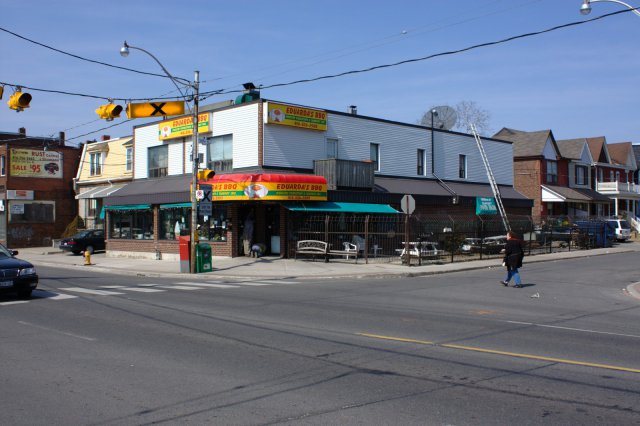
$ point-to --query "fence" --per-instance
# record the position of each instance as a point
(420, 239)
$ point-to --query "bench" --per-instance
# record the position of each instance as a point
(315, 248)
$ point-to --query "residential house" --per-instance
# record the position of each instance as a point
(105, 167)
(544, 174)
(274, 159)
(617, 179)
(36, 188)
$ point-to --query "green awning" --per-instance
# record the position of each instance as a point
(335, 207)
(129, 207)
(174, 205)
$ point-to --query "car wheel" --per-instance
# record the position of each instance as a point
(89, 249)
(24, 293)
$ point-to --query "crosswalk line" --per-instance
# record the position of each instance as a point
(250, 284)
(91, 291)
(277, 282)
(209, 284)
(180, 287)
(145, 289)
(13, 302)
(62, 296)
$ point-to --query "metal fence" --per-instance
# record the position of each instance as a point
(424, 239)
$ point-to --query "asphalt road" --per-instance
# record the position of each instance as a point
(453, 349)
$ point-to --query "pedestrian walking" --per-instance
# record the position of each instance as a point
(513, 254)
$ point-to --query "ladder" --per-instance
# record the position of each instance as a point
(492, 180)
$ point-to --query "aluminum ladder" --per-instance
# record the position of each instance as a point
(492, 180)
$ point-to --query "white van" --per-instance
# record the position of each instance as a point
(621, 228)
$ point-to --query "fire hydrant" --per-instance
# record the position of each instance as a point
(87, 257)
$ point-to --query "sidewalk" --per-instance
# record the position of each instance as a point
(276, 268)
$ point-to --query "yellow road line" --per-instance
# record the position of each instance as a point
(496, 352)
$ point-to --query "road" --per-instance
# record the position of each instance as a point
(452, 349)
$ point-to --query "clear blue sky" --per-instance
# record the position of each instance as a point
(580, 81)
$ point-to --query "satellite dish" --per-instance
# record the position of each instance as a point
(442, 117)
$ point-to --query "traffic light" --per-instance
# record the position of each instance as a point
(19, 101)
(206, 174)
(109, 111)
(1, 91)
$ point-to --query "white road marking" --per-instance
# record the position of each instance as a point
(277, 282)
(91, 339)
(251, 284)
(61, 296)
(14, 302)
(209, 285)
(180, 287)
(574, 329)
(145, 289)
(91, 291)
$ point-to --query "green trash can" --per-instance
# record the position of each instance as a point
(203, 258)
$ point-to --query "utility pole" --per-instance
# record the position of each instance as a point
(194, 174)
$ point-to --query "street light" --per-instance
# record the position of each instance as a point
(124, 52)
(585, 9)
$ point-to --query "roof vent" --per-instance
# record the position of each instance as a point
(250, 94)
(353, 109)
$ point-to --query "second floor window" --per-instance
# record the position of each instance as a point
(129, 164)
(462, 166)
(3, 165)
(420, 163)
(374, 155)
(220, 153)
(581, 175)
(95, 163)
(332, 148)
(552, 172)
(158, 161)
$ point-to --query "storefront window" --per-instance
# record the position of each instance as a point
(216, 226)
(131, 225)
(174, 221)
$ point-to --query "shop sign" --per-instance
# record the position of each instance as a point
(19, 194)
(486, 205)
(17, 208)
(183, 126)
(291, 115)
(35, 163)
(267, 187)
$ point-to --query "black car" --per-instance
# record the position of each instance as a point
(88, 240)
(16, 275)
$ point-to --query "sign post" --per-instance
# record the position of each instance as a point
(408, 205)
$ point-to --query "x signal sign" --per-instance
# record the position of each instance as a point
(155, 109)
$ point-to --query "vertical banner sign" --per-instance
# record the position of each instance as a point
(486, 205)
(35, 163)
(204, 204)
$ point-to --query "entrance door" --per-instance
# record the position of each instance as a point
(272, 223)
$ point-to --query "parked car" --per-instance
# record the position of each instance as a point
(621, 227)
(494, 245)
(18, 276)
(471, 245)
(88, 240)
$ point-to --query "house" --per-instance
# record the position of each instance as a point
(556, 183)
(616, 180)
(36, 188)
(274, 160)
(105, 167)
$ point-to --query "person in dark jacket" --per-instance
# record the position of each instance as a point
(513, 254)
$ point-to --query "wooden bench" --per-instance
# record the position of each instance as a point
(315, 248)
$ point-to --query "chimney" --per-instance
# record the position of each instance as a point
(22, 131)
(105, 137)
(353, 109)
(61, 138)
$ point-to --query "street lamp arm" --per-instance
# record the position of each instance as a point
(585, 9)
(125, 51)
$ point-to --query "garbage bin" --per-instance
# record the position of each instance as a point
(185, 253)
(203, 258)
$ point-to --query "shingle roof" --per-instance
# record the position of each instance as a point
(525, 144)
(619, 152)
(636, 152)
(595, 146)
(571, 148)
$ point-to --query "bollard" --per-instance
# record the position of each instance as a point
(87, 257)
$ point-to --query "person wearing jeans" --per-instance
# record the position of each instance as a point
(513, 254)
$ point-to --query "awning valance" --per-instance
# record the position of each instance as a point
(335, 207)
(174, 205)
(129, 207)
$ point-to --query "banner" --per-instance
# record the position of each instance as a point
(35, 163)
(291, 115)
(486, 205)
(257, 187)
(181, 127)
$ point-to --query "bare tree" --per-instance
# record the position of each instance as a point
(467, 112)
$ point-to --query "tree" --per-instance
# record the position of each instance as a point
(467, 112)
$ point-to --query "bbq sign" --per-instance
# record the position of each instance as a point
(291, 115)
(35, 163)
(256, 187)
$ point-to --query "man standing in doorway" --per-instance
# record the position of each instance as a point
(247, 234)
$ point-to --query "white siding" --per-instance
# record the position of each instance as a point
(549, 151)
(242, 122)
(144, 137)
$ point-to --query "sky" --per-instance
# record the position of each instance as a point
(579, 81)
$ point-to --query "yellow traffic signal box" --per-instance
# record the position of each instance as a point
(19, 101)
(109, 111)
(155, 109)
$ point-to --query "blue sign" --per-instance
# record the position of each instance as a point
(486, 205)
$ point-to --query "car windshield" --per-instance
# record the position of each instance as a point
(4, 252)
(82, 234)
(624, 224)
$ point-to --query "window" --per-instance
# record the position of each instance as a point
(617, 176)
(581, 175)
(3, 165)
(600, 175)
(95, 163)
(420, 163)
(552, 172)
(462, 166)
(216, 226)
(332, 148)
(129, 163)
(374, 156)
(611, 176)
(158, 161)
(132, 224)
(220, 153)
(174, 222)
(32, 211)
